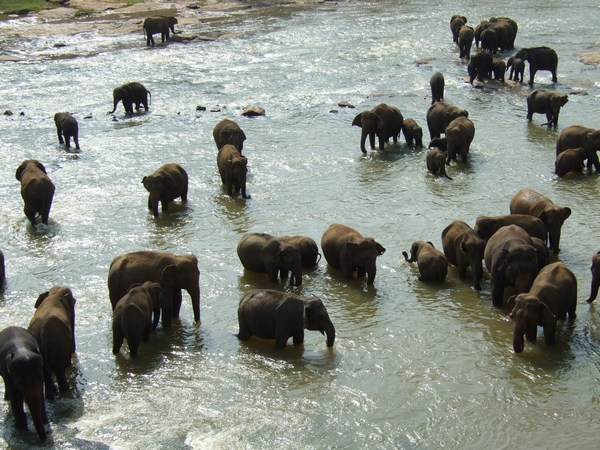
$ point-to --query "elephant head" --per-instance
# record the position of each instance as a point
(472, 249)
(520, 265)
(362, 252)
(527, 314)
(592, 141)
(157, 184)
(283, 257)
(155, 291)
(554, 217)
(237, 167)
(316, 318)
(595, 277)
(371, 124)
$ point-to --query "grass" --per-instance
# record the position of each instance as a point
(22, 7)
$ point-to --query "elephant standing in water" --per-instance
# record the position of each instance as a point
(464, 248)
(543, 101)
(67, 127)
(131, 94)
(439, 115)
(436, 162)
(270, 314)
(456, 22)
(595, 277)
(159, 24)
(169, 182)
(308, 249)
(37, 190)
(432, 264)
(229, 132)
(571, 160)
(465, 41)
(233, 168)
(437, 84)
(540, 58)
(486, 226)
(459, 135)
(579, 136)
(517, 68)
(385, 121)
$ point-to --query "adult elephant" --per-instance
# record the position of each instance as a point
(37, 190)
(384, 120)
(159, 24)
(264, 253)
(437, 83)
(544, 101)
(517, 68)
(439, 115)
(459, 135)
(579, 136)
(486, 226)
(539, 58)
(511, 259)
(595, 268)
(139, 267)
(229, 132)
(136, 314)
(506, 31)
(346, 249)
(233, 168)
(464, 248)
(465, 41)
(412, 132)
(21, 367)
(432, 264)
(456, 22)
(436, 162)
(480, 66)
(571, 160)
(552, 296)
(489, 40)
(67, 128)
(270, 314)
(130, 94)
(479, 28)
(53, 326)
(528, 201)
(169, 182)
(308, 249)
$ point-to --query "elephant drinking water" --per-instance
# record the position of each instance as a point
(131, 94)
(384, 120)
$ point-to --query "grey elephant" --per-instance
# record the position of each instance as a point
(159, 24)
(412, 132)
(552, 296)
(539, 58)
(21, 367)
(135, 315)
(437, 83)
(53, 326)
(346, 249)
(543, 101)
(264, 253)
(464, 248)
(571, 160)
(37, 190)
(465, 41)
(517, 68)
(436, 162)
(506, 31)
(595, 268)
(576, 136)
(459, 134)
(511, 259)
(498, 69)
(480, 66)
(441, 143)
(479, 28)
(439, 115)
(308, 249)
(528, 201)
(432, 264)
(229, 132)
(131, 94)
(233, 169)
(270, 314)
(384, 120)
(486, 226)
(173, 272)
(456, 22)
(170, 181)
(67, 128)
(489, 39)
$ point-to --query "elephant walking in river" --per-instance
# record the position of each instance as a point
(159, 24)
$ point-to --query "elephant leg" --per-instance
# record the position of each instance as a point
(497, 283)
(361, 271)
(272, 274)
(532, 72)
(244, 332)
(372, 139)
(16, 403)
(133, 342)
(60, 138)
(48, 383)
(164, 205)
(117, 341)
(298, 337)
(283, 273)
(61, 379)
(281, 337)
(30, 214)
(184, 194)
(177, 298)
(146, 334)
(554, 79)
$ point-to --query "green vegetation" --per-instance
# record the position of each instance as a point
(80, 12)
(25, 6)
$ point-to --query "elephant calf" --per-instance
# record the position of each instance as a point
(543, 101)
(486, 226)
(169, 182)
(53, 326)
(412, 132)
(229, 132)
(432, 264)
(571, 160)
(36, 189)
(132, 317)
(270, 314)
(131, 94)
(436, 162)
(517, 68)
(308, 249)
(459, 135)
(67, 127)
(436, 83)
(576, 136)
(464, 248)
(233, 168)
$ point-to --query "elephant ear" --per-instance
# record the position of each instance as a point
(511, 304)
(148, 182)
(566, 212)
(290, 310)
(547, 316)
(503, 260)
(380, 248)
(40, 166)
(379, 123)
(168, 277)
(68, 301)
(357, 122)
(19, 171)
(41, 298)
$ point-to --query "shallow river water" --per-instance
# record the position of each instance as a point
(414, 365)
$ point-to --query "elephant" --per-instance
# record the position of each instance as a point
(579, 136)
(506, 31)
(511, 259)
(412, 132)
(270, 314)
(552, 296)
(436, 162)
(479, 28)
(489, 39)
(308, 249)
(459, 135)
(229, 132)
(384, 120)
(539, 58)
(464, 248)
(571, 160)
(465, 41)
(159, 24)
(595, 268)
(543, 254)
(528, 201)
(22, 368)
(67, 127)
(480, 66)
(456, 22)
(346, 249)
(169, 182)
(498, 69)
(37, 190)
(139, 267)
(131, 94)
(439, 115)
(53, 326)
(432, 264)
(441, 143)
(233, 168)
(437, 84)
(543, 101)
(486, 226)
(264, 253)
(517, 68)
(136, 314)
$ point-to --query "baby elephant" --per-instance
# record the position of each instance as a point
(132, 317)
(233, 168)
(169, 182)
(67, 127)
(36, 189)
(229, 132)
(432, 264)
(517, 68)
(270, 314)
(308, 249)
(412, 133)
(436, 162)
(571, 160)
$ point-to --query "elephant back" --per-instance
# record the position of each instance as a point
(333, 240)
(251, 249)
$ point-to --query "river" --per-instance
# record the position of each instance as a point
(414, 365)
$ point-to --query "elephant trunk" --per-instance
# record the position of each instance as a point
(296, 278)
(371, 272)
(115, 103)
(329, 330)
(477, 270)
(407, 258)
(153, 202)
(518, 340)
(554, 239)
(34, 397)
(594, 291)
(194, 292)
(363, 139)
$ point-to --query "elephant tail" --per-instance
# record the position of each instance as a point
(150, 97)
